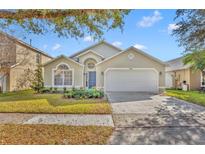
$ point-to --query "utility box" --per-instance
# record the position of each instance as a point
(184, 87)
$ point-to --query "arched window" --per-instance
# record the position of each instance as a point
(63, 76)
(90, 63)
(63, 67)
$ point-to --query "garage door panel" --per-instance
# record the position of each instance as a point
(131, 80)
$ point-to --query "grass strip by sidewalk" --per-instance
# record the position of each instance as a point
(29, 102)
(191, 96)
(53, 134)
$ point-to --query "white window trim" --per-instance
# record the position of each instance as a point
(53, 76)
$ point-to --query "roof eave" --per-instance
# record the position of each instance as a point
(25, 44)
(94, 45)
(148, 55)
(61, 56)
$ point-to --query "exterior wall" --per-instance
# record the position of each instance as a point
(25, 59)
(15, 75)
(192, 78)
(7, 50)
(180, 76)
(89, 55)
(169, 79)
(78, 72)
(44, 59)
(105, 50)
(195, 80)
(122, 61)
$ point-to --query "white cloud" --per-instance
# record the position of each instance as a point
(172, 27)
(45, 46)
(148, 21)
(117, 43)
(56, 47)
(88, 39)
(140, 46)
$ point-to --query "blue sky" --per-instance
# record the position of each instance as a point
(149, 30)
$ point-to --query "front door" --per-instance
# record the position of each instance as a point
(91, 79)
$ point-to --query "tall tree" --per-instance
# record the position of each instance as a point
(66, 23)
(191, 29)
(196, 60)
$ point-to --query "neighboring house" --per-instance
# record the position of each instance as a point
(18, 57)
(177, 73)
(107, 67)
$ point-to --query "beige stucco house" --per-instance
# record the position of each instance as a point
(106, 67)
(17, 57)
(177, 73)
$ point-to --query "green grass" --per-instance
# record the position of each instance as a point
(53, 134)
(29, 102)
(190, 96)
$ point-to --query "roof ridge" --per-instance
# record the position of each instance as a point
(174, 59)
(93, 45)
(137, 50)
(147, 54)
(60, 56)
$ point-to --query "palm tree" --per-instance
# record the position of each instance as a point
(197, 61)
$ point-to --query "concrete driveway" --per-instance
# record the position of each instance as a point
(144, 118)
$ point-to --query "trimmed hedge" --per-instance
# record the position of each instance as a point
(83, 93)
(75, 93)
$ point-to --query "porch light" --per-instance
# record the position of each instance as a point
(160, 73)
(102, 73)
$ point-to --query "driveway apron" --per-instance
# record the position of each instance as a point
(144, 118)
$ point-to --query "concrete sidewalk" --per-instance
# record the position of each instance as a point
(59, 119)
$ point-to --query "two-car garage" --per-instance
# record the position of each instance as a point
(131, 70)
(125, 79)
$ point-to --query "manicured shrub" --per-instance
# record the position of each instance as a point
(83, 93)
(64, 89)
(45, 90)
(69, 94)
(51, 89)
(79, 93)
(55, 90)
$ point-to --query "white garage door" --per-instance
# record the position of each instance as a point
(139, 80)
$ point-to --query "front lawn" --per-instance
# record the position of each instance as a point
(53, 134)
(29, 102)
(190, 96)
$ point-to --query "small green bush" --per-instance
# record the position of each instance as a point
(64, 89)
(45, 90)
(83, 93)
(68, 94)
(55, 90)
(50, 89)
